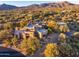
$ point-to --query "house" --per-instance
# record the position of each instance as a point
(42, 32)
(61, 23)
(31, 30)
(30, 26)
(18, 33)
(39, 33)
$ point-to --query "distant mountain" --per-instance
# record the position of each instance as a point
(63, 4)
(57, 5)
(7, 7)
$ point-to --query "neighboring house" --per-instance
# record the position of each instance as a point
(61, 23)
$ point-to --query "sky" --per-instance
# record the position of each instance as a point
(20, 3)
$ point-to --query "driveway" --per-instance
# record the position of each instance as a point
(52, 38)
(7, 52)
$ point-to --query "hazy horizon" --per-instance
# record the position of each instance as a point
(26, 3)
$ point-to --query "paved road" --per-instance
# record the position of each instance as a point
(7, 52)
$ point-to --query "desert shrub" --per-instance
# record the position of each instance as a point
(51, 50)
(30, 45)
(64, 28)
(14, 41)
(52, 24)
(5, 34)
(7, 42)
(49, 30)
(66, 50)
(62, 38)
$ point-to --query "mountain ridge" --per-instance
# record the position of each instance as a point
(52, 4)
(7, 7)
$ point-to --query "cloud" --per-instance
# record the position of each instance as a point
(74, 1)
(38, 0)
